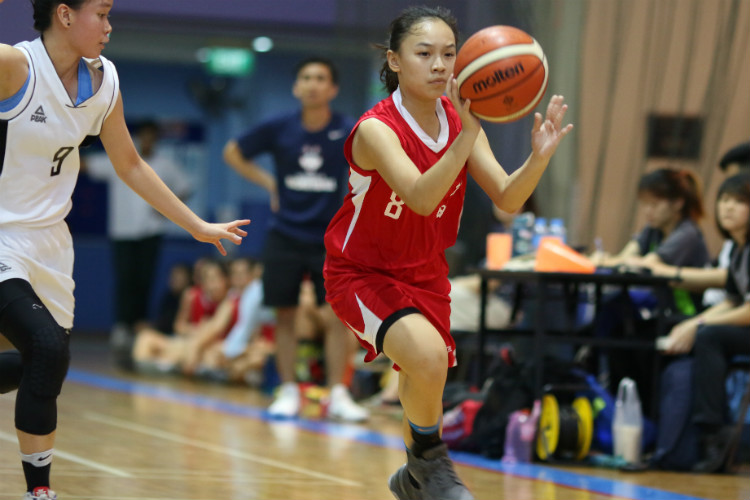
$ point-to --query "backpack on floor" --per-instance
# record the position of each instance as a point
(508, 388)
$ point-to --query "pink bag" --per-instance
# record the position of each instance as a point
(459, 421)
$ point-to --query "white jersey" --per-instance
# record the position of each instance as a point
(39, 140)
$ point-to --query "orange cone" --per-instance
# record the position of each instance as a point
(555, 256)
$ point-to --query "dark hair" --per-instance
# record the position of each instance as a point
(44, 9)
(401, 27)
(739, 154)
(185, 267)
(736, 186)
(220, 264)
(675, 184)
(319, 60)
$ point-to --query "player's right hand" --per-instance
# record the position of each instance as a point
(469, 122)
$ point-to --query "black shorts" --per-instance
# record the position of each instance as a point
(286, 262)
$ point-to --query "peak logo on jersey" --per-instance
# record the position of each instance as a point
(38, 115)
(4, 267)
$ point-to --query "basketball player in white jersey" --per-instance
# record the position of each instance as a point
(55, 93)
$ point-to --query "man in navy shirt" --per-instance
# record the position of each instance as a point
(306, 190)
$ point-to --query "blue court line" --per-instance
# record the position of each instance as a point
(359, 434)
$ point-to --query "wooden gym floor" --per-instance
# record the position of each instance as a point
(127, 437)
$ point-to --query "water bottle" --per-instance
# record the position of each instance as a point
(557, 229)
(520, 435)
(523, 234)
(540, 231)
(627, 426)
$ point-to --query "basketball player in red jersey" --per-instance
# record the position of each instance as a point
(386, 273)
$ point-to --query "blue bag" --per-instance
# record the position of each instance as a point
(604, 404)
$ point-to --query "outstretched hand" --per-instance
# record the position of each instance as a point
(214, 233)
(546, 135)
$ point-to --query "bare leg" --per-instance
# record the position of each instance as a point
(338, 346)
(213, 357)
(286, 343)
(31, 443)
(417, 347)
(149, 345)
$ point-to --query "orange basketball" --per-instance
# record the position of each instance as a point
(503, 71)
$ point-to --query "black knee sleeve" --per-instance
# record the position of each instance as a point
(48, 360)
(35, 415)
(43, 344)
(11, 371)
(45, 355)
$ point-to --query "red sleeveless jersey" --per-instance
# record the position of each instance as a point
(200, 305)
(202, 308)
(375, 230)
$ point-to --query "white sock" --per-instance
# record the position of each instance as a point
(39, 459)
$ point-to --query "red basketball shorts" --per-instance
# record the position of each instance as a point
(369, 303)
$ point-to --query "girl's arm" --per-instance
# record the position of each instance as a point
(510, 192)
(182, 325)
(141, 178)
(726, 313)
(682, 337)
(212, 328)
(627, 255)
(692, 278)
(648, 260)
(376, 147)
(206, 333)
(14, 70)
(251, 171)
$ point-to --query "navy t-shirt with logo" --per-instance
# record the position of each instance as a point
(310, 168)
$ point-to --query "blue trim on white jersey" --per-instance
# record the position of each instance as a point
(85, 88)
(12, 101)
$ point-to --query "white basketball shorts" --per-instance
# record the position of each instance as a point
(44, 258)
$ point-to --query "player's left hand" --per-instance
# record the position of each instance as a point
(547, 134)
(214, 233)
(469, 122)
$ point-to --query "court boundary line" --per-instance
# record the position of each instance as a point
(567, 479)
